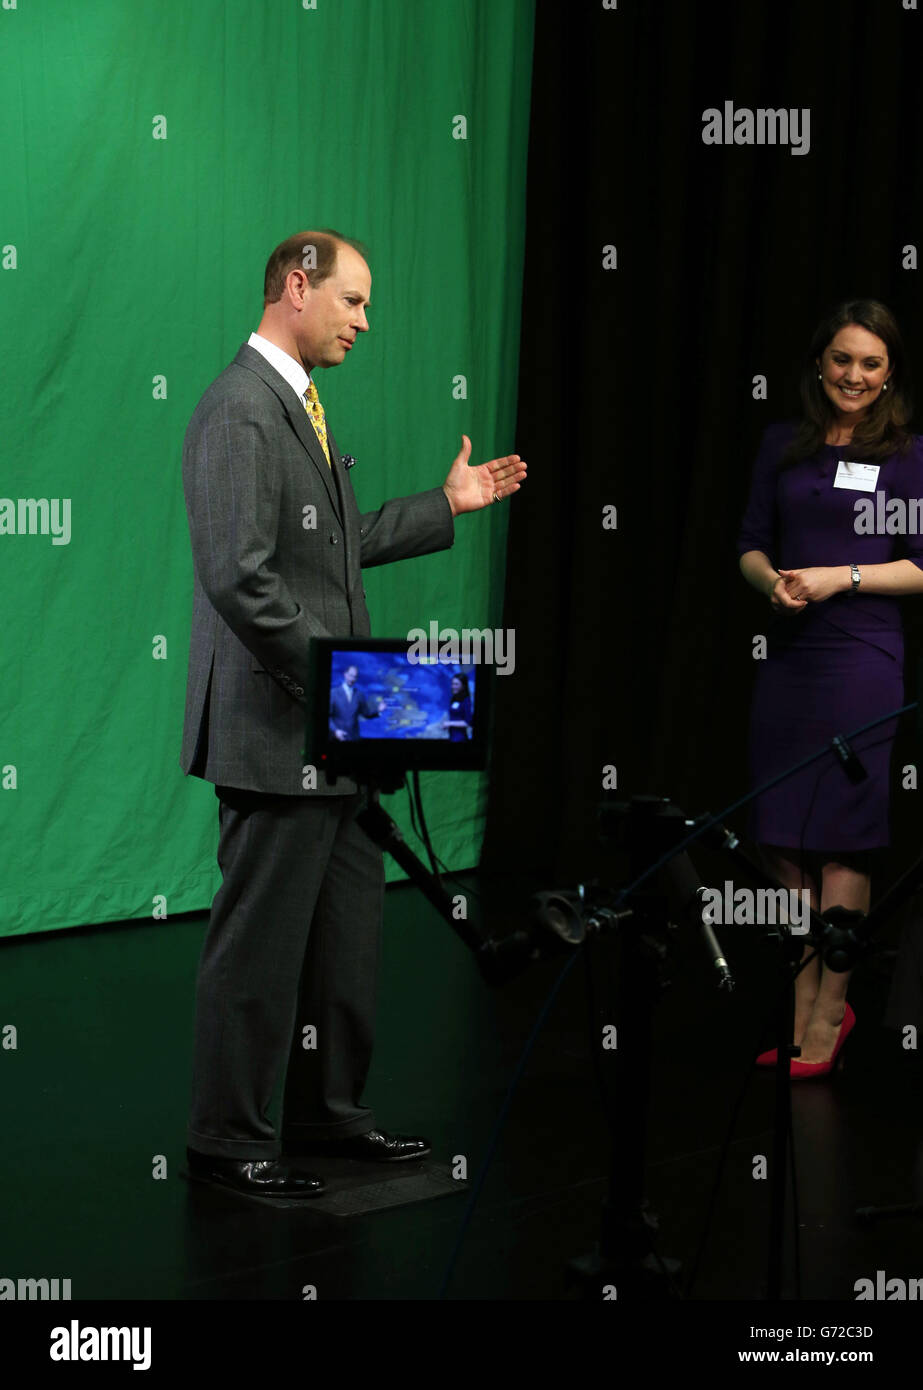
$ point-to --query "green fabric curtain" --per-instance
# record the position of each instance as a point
(154, 154)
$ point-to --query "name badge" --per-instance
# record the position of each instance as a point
(860, 477)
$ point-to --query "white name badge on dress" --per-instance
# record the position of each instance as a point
(861, 477)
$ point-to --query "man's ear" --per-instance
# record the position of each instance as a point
(297, 286)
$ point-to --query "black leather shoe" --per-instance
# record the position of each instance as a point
(374, 1146)
(259, 1177)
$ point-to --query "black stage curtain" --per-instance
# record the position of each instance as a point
(633, 646)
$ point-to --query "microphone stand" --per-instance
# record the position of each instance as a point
(791, 950)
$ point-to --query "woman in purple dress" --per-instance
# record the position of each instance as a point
(820, 541)
(458, 720)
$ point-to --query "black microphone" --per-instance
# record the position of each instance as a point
(852, 766)
(683, 884)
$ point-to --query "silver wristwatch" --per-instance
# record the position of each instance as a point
(856, 578)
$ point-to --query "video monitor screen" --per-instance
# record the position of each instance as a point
(380, 703)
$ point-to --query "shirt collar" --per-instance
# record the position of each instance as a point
(293, 372)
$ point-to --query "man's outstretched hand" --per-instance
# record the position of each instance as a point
(468, 489)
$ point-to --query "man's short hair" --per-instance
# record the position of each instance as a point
(295, 254)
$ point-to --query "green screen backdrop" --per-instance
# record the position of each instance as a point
(154, 154)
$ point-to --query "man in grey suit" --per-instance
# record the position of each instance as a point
(348, 704)
(288, 969)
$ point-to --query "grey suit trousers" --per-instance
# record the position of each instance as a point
(292, 945)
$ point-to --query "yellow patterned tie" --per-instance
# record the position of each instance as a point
(316, 415)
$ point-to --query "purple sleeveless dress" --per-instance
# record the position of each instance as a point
(833, 666)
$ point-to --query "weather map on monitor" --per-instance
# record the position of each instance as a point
(383, 695)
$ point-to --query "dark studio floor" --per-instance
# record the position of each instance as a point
(98, 1084)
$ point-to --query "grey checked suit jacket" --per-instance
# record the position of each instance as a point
(264, 584)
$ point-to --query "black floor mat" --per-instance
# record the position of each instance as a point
(355, 1189)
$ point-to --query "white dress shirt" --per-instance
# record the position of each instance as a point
(286, 366)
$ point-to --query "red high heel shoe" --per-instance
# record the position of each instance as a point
(807, 1069)
(803, 1071)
